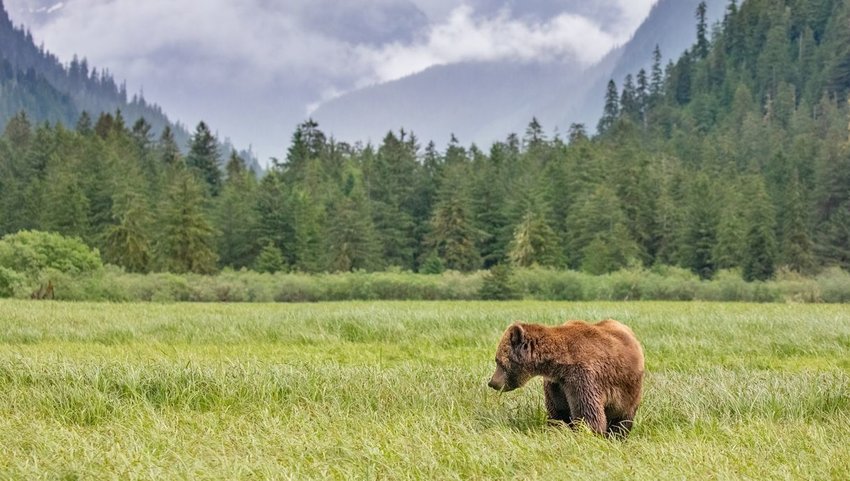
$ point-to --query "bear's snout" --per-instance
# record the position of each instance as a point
(493, 384)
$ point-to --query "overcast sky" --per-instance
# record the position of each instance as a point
(253, 68)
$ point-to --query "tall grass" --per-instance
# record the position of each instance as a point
(397, 390)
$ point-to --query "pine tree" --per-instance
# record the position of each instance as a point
(186, 239)
(67, 205)
(84, 126)
(235, 216)
(308, 143)
(307, 246)
(760, 250)
(700, 236)
(275, 214)
(656, 86)
(534, 243)
(351, 233)
(534, 136)
(391, 178)
(834, 247)
(497, 286)
(270, 260)
(643, 93)
(599, 240)
(612, 109)
(169, 151)
(203, 159)
(453, 236)
(729, 250)
(489, 194)
(629, 102)
(702, 46)
(128, 242)
(797, 248)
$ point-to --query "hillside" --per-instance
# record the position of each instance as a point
(34, 81)
(480, 102)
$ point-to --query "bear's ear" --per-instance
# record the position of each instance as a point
(517, 334)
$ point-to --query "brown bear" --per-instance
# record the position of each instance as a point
(592, 372)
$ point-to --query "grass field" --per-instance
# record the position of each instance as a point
(398, 391)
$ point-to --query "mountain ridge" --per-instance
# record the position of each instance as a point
(563, 95)
(35, 81)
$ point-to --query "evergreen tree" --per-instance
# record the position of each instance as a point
(702, 46)
(534, 243)
(351, 233)
(186, 240)
(128, 242)
(599, 239)
(275, 215)
(730, 248)
(489, 194)
(656, 86)
(235, 216)
(700, 234)
(643, 95)
(67, 205)
(534, 136)
(203, 158)
(834, 246)
(760, 252)
(496, 285)
(453, 235)
(169, 152)
(391, 180)
(629, 102)
(307, 245)
(270, 260)
(612, 109)
(84, 126)
(308, 143)
(796, 247)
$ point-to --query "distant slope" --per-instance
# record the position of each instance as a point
(482, 102)
(474, 101)
(670, 25)
(34, 81)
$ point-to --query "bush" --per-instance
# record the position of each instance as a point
(550, 285)
(659, 283)
(10, 282)
(834, 285)
(497, 286)
(31, 252)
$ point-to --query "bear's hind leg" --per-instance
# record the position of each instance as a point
(557, 406)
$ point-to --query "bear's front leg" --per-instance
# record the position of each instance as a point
(586, 405)
(557, 406)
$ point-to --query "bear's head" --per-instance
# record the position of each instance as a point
(512, 363)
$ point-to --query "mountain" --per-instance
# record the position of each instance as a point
(250, 69)
(483, 101)
(35, 81)
(670, 26)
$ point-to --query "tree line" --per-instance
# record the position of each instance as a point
(735, 156)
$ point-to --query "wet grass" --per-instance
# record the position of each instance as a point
(397, 390)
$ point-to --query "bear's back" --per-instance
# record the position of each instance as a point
(605, 340)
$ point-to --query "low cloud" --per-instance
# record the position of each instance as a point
(265, 62)
(464, 37)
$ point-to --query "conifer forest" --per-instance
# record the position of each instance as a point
(735, 156)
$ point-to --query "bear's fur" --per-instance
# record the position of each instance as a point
(592, 372)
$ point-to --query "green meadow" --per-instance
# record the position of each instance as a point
(397, 390)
